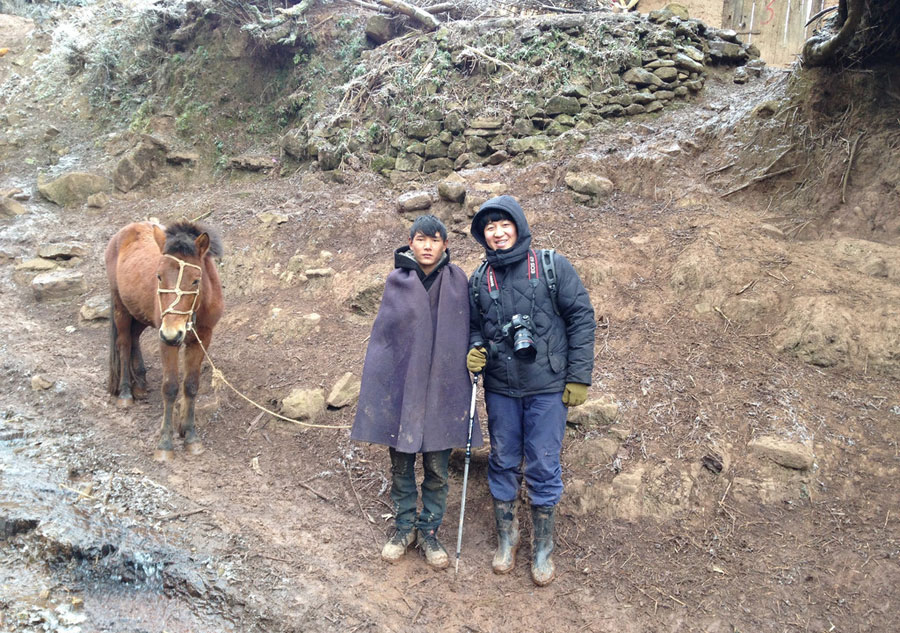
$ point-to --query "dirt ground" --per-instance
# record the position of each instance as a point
(278, 527)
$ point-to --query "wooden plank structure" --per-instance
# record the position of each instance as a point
(777, 27)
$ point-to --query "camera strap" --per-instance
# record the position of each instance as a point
(493, 286)
(493, 291)
(534, 271)
(535, 264)
(534, 276)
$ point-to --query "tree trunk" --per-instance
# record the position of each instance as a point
(821, 50)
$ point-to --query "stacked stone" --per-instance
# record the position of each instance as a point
(431, 144)
(670, 57)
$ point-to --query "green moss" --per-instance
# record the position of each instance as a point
(140, 122)
(382, 163)
(346, 22)
(193, 116)
(350, 50)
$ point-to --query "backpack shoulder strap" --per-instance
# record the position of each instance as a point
(475, 292)
(475, 287)
(549, 267)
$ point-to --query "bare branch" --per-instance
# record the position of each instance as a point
(818, 15)
(296, 10)
(474, 52)
(422, 17)
(369, 5)
(444, 7)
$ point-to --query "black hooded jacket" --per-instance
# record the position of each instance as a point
(404, 258)
(564, 341)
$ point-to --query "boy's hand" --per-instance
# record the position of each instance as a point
(476, 359)
(574, 394)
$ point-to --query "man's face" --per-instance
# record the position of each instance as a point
(500, 235)
(428, 250)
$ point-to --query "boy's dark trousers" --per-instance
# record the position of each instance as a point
(434, 489)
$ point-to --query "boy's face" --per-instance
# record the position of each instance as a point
(428, 250)
(500, 235)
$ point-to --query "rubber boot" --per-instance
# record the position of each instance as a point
(505, 512)
(542, 569)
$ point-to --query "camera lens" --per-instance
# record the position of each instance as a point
(523, 345)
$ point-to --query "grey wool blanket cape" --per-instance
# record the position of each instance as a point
(416, 390)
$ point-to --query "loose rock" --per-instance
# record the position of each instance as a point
(40, 382)
(95, 308)
(344, 392)
(304, 404)
(594, 413)
(788, 453)
(60, 284)
(72, 188)
(414, 201)
(10, 208)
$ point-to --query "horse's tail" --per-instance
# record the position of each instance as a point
(115, 365)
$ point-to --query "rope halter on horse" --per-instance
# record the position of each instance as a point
(178, 292)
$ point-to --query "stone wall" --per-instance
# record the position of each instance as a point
(617, 65)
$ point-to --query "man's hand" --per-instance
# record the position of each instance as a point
(475, 359)
(574, 394)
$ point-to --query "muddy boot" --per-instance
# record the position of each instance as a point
(542, 570)
(505, 513)
(435, 554)
(397, 545)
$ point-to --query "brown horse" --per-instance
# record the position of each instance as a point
(167, 279)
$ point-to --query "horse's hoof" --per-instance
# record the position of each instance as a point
(194, 448)
(139, 394)
(124, 403)
(164, 456)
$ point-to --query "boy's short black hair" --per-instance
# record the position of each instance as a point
(492, 215)
(428, 225)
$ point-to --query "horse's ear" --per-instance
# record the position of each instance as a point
(160, 236)
(202, 243)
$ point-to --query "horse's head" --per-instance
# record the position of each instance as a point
(179, 282)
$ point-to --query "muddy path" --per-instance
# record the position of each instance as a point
(278, 528)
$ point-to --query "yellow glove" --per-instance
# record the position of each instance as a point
(574, 394)
(475, 359)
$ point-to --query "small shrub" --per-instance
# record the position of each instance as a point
(141, 119)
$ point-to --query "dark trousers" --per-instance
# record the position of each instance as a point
(529, 428)
(434, 489)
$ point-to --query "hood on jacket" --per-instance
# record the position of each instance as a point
(523, 242)
(404, 258)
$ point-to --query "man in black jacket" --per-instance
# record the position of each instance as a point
(537, 354)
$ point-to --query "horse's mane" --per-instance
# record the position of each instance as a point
(181, 235)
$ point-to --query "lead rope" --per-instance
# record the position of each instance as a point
(217, 374)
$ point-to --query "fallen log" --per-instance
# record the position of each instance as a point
(422, 17)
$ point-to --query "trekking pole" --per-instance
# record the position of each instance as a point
(462, 506)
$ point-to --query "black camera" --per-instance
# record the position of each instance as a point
(519, 332)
